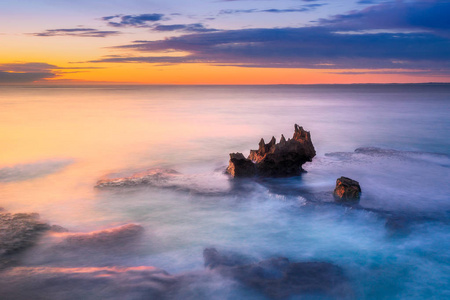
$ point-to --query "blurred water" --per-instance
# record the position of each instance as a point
(57, 142)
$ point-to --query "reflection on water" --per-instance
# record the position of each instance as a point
(61, 141)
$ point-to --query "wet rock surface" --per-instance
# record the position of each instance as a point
(279, 278)
(86, 283)
(18, 232)
(347, 190)
(274, 159)
(240, 166)
(108, 238)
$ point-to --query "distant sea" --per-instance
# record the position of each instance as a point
(57, 142)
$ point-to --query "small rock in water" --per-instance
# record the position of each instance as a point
(347, 190)
(281, 159)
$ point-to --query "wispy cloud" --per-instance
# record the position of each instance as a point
(196, 27)
(78, 32)
(142, 20)
(303, 8)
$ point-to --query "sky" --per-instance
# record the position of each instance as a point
(224, 41)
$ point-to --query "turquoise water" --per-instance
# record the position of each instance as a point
(60, 141)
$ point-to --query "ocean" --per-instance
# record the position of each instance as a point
(57, 142)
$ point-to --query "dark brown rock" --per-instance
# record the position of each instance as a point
(240, 166)
(275, 160)
(347, 189)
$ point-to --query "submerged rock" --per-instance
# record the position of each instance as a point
(279, 278)
(148, 177)
(107, 239)
(347, 189)
(275, 159)
(199, 183)
(50, 283)
(18, 232)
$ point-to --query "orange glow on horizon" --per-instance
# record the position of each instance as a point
(192, 74)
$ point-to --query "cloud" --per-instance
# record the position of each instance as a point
(307, 47)
(25, 72)
(196, 27)
(303, 8)
(8, 77)
(79, 32)
(435, 73)
(27, 67)
(363, 39)
(422, 15)
(142, 20)
(29, 72)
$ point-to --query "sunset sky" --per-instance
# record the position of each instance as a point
(224, 41)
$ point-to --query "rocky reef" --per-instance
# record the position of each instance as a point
(279, 278)
(94, 282)
(19, 232)
(347, 190)
(274, 159)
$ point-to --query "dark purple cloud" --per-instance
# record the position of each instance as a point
(308, 47)
(396, 35)
(31, 72)
(79, 32)
(26, 72)
(142, 20)
(421, 15)
(9, 77)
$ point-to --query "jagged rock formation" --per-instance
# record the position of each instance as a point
(279, 278)
(275, 160)
(347, 190)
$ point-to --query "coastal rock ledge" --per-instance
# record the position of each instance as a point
(281, 159)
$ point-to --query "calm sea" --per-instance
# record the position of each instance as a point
(56, 142)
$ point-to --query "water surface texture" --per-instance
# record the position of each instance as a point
(58, 142)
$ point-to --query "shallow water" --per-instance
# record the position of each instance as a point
(59, 141)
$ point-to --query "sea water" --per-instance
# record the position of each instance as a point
(57, 142)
